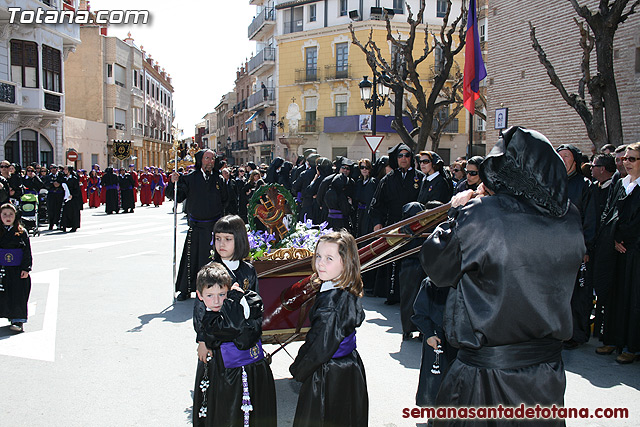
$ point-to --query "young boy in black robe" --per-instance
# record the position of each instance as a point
(235, 388)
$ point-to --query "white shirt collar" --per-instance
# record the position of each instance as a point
(204, 173)
(232, 265)
(433, 175)
(327, 286)
(628, 184)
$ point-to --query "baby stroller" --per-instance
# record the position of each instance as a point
(29, 213)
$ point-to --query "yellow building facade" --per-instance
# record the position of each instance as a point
(319, 102)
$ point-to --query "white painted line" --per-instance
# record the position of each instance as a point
(144, 230)
(32, 308)
(38, 345)
(87, 246)
(134, 255)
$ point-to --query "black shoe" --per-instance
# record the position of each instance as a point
(182, 296)
(64, 229)
(571, 344)
(17, 327)
(73, 230)
(50, 227)
(407, 336)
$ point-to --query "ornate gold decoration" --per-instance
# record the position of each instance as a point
(288, 253)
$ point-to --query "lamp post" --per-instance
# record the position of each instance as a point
(374, 95)
(227, 152)
(272, 115)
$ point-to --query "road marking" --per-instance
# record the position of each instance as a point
(38, 345)
(87, 246)
(144, 230)
(134, 255)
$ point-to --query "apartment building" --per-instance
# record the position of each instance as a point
(225, 120)
(32, 84)
(318, 71)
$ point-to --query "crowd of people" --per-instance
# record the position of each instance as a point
(540, 252)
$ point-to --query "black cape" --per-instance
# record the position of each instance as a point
(512, 270)
(224, 394)
(334, 391)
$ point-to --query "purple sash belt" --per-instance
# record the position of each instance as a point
(299, 196)
(362, 206)
(335, 214)
(346, 346)
(234, 358)
(10, 257)
(111, 187)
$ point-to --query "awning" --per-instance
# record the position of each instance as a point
(253, 116)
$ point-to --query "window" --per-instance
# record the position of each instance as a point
(483, 30)
(398, 6)
(147, 86)
(51, 69)
(94, 159)
(437, 60)
(312, 13)
(341, 105)
(312, 63)
(24, 63)
(109, 70)
(441, 8)
(339, 151)
(342, 60)
(120, 119)
(310, 107)
(638, 60)
(343, 7)
(480, 124)
(120, 75)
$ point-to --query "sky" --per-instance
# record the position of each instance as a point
(200, 43)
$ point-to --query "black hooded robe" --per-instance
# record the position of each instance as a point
(392, 194)
(126, 192)
(109, 182)
(334, 391)
(511, 260)
(225, 391)
(71, 208)
(14, 298)
(205, 203)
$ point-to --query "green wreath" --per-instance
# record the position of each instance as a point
(255, 201)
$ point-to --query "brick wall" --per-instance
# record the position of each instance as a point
(517, 80)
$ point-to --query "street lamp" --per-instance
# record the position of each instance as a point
(272, 115)
(374, 95)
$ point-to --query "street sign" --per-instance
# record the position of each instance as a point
(72, 155)
(373, 141)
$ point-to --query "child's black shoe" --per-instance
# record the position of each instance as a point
(16, 327)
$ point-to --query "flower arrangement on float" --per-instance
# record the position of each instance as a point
(304, 236)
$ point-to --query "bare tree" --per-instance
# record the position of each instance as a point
(402, 74)
(603, 120)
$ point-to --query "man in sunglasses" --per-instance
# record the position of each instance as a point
(396, 189)
(579, 189)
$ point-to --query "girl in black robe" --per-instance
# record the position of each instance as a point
(334, 386)
(510, 260)
(15, 264)
(125, 181)
(236, 384)
(55, 198)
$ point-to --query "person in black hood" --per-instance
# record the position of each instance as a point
(396, 189)
(579, 190)
(435, 185)
(381, 168)
(472, 175)
(324, 168)
(73, 201)
(300, 184)
(110, 186)
(284, 177)
(510, 258)
(206, 196)
(274, 171)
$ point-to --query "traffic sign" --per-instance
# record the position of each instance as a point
(72, 155)
(373, 141)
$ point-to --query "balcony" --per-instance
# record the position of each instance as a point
(266, 56)
(308, 126)
(52, 101)
(7, 92)
(292, 26)
(334, 72)
(436, 70)
(265, 19)
(239, 145)
(259, 135)
(240, 106)
(304, 75)
(262, 98)
(450, 128)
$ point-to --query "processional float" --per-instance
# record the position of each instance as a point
(288, 292)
